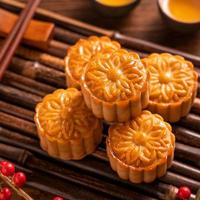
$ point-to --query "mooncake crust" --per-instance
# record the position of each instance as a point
(80, 53)
(173, 85)
(142, 149)
(115, 85)
(66, 127)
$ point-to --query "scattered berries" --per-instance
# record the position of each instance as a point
(7, 193)
(2, 196)
(19, 179)
(58, 198)
(3, 162)
(7, 168)
(184, 193)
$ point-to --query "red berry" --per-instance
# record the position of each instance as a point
(8, 169)
(184, 193)
(3, 162)
(2, 196)
(58, 198)
(7, 193)
(19, 179)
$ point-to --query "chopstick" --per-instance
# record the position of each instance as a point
(16, 35)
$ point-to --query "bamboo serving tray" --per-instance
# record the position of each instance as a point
(34, 73)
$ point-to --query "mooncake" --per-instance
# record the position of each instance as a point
(66, 127)
(115, 85)
(173, 85)
(80, 53)
(141, 149)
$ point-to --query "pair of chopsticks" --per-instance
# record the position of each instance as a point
(14, 38)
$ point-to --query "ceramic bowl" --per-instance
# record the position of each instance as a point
(114, 11)
(174, 23)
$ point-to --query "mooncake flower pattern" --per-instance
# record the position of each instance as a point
(63, 118)
(63, 115)
(143, 141)
(115, 85)
(141, 145)
(80, 53)
(172, 80)
(115, 76)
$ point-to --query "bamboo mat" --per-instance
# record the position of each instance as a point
(34, 73)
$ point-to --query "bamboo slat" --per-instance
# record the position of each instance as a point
(36, 72)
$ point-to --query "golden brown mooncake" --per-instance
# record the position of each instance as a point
(80, 53)
(141, 149)
(66, 127)
(115, 85)
(173, 85)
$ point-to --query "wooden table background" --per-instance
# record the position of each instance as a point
(143, 22)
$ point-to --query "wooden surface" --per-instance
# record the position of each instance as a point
(147, 26)
(143, 22)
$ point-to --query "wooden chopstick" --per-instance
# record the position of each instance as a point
(16, 35)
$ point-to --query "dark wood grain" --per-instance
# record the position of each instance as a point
(42, 71)
(143, 22)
